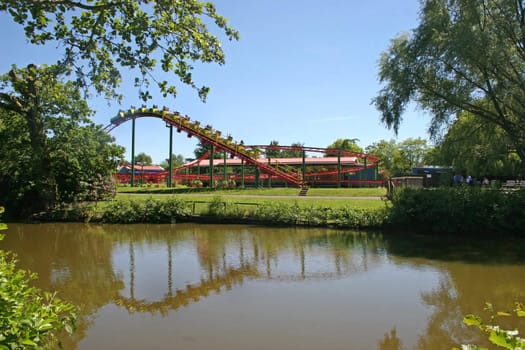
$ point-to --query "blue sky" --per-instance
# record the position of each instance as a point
(304, 71)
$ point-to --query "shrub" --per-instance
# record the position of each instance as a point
(148, 211)
(358, 218)
(280, 213)
(459, 210)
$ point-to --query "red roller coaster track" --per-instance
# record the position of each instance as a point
(249, 154)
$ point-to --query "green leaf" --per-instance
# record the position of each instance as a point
(499, 339)
(501, 313)
(472, 320)
(28, 342)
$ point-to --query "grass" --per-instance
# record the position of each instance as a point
(280, 191)
(335, 198)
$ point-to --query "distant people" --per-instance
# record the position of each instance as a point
(469, 181)
(485, 182)
(458, 179)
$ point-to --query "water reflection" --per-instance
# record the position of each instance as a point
(238, 287)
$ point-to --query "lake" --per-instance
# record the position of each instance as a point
(194, 286)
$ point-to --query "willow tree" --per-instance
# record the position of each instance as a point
(98, 39)
(480, 149)
(465, 56)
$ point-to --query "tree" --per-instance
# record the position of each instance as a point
(203, 148)
(478, 148)
(176, 159)
(143, 159)
(465, 55)
(51, 152)
(295, 151)
(100, 39)
(273, 153)
(398, 159)
(414, 151)
(346, 145)
(387, 152)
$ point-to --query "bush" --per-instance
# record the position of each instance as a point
(459, 210)
(358, 218)
(279, 213)
(148, 211)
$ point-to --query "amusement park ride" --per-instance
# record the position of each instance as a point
(280, 169)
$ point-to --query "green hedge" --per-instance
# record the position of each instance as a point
(463, 210)
(148, 211)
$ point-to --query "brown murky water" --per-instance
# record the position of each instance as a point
(187, 286)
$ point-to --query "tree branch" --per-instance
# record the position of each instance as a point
(93, 8)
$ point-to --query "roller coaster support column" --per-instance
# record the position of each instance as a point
(212, 151)
(133, 152)
(242, 173)
(365, 169)
(225, 171)
(170, 160)
(304, 165)
(270, 176)
(339, 169)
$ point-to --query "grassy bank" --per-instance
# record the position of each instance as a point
(348, 208)
(457, 211)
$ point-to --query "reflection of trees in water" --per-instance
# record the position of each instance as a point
(390, 341)
(475, 271)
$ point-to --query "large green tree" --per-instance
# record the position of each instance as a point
(98, 39)
(465, 55)
(478, 148)
(51, 152)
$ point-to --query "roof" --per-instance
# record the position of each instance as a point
(145, 168)
(288, 161)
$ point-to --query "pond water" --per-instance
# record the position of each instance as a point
(190, 286)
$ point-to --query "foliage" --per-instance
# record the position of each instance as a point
(154, 210)
(202, 148)
(148, 211)
(276, 212)
(143, 159)
(357, 218)
(478, 147)
(507, 339)
(176, 159)
(465, 55)
(51, 151)
(28, 316)
(217, 206)
(346, 145)
(398, 158)
(100, 39)
(295, 150)
(462, 210)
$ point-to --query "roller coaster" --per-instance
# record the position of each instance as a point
(249, 155)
